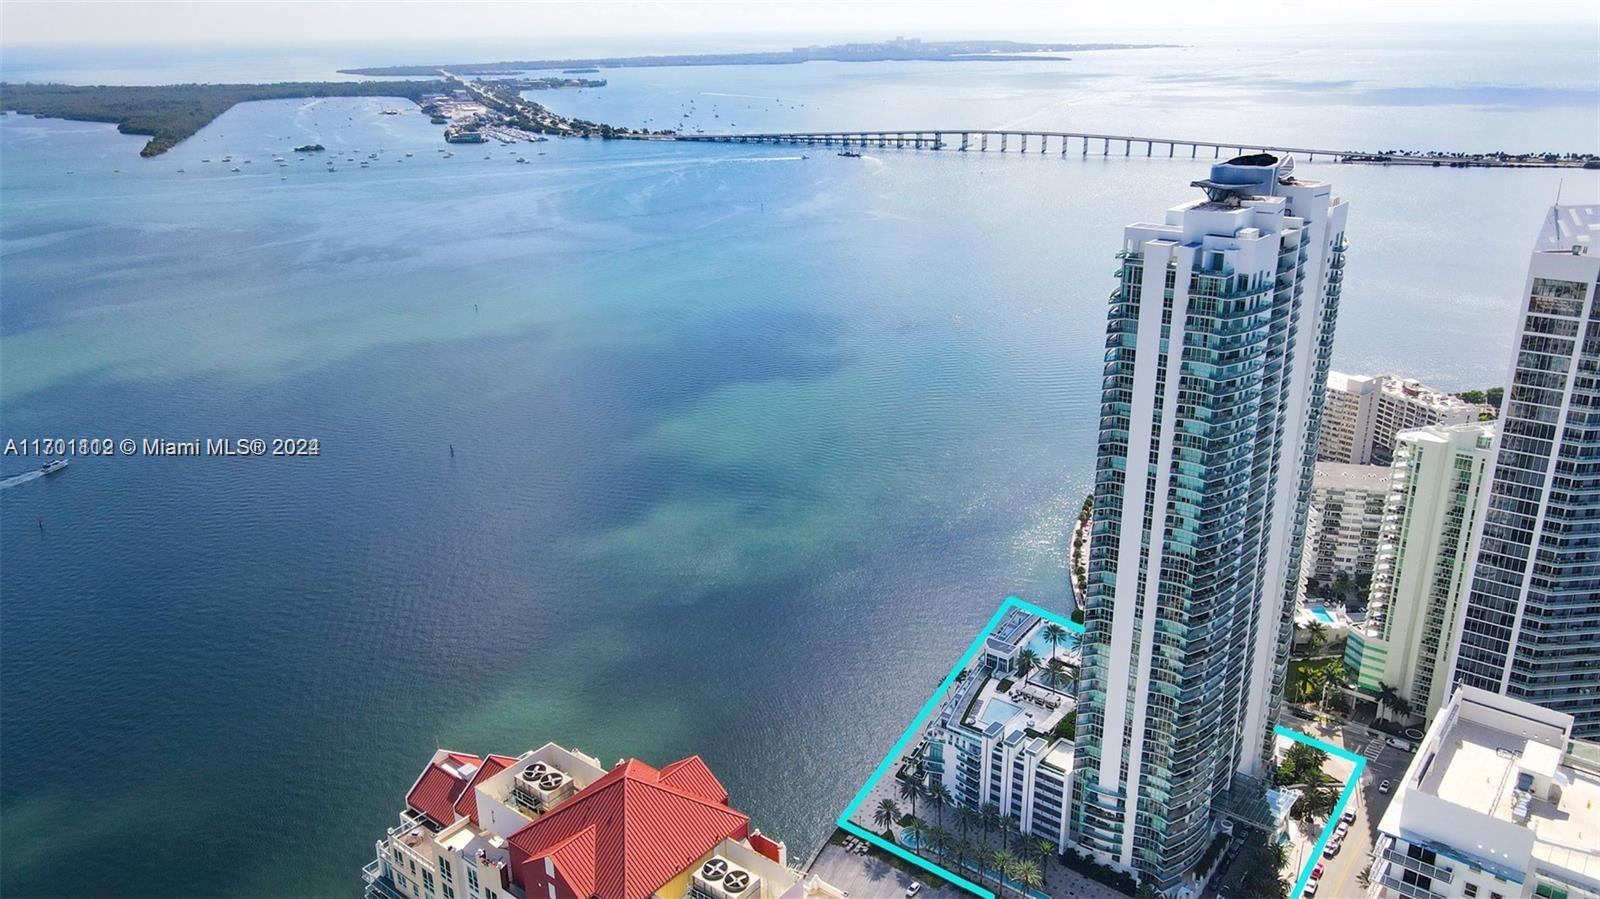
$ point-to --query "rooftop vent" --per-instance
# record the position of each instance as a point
(722, 878)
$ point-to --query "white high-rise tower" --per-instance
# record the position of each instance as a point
(1531, 623)
(1217, 354)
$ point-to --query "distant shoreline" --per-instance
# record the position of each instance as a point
(170, 113)
(893, 51)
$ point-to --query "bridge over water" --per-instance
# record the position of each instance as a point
(1007, 140)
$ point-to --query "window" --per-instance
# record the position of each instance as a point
(489, 894)
(472, 878)
(444, 869)
(1470, 890)
(449, 892)
(1496, 896)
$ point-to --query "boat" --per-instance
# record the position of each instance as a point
(310, 148)
(53, 466)
(849, 154)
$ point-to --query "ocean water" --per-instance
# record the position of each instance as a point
(747, 445)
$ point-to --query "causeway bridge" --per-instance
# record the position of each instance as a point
(1010, 140)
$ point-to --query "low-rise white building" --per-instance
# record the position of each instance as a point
(1496, 805)
(999, 736)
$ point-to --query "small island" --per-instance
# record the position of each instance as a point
(169, 113)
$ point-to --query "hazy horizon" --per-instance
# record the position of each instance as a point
(27, 23)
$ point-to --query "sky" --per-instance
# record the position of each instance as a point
(179, 22)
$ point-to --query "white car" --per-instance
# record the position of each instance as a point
(915, 888)
(1340, 831)
(1383, 787)
(1349, 816)
(1311, 888)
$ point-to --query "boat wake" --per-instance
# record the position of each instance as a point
(18, 480)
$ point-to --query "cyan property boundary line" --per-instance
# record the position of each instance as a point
(921, 720)
(1350, 788)
(916, 727)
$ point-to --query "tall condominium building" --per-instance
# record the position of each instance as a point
(1498, 802)
(1532, 617)
(1347, 509)
(1423, 564)
(1003, 736)
(1216, 352)
(554, 824)
(1365, 413)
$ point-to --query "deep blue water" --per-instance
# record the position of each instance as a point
(747, 445)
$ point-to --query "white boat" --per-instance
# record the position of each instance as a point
(53, 466)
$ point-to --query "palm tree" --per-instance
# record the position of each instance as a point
(1039, 851)
(965, 819)
(1387, 696)
(1055, 635)
(909, 791)
(991, 816)
(886, 815)
(1316, 635)
(1028, 875)
(1026, 662)
(1402, 707)
(1055, 673)
(1005, 866)
(940, 794)
(939, 839)
(919, 834)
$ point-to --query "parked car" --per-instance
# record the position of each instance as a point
(1402, 745)
(915, 888)
(1331, 849)
(1383, 787)
(1317, 872)
(1340, 831)
(1311, 888)
(1349, 816)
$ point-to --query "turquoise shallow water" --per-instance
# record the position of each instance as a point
(747, 447)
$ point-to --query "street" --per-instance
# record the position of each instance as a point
(1384, 762)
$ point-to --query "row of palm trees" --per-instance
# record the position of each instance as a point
(1017, 864)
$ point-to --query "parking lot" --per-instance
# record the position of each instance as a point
(870, 877)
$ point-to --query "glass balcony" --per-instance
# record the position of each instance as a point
(1390, 854)
(379, 886)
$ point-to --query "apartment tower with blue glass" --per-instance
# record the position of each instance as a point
(1530, 627)
(1217, 348)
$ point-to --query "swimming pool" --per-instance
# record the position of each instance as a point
(1322, 614)
(999, 711)
(1041, 647)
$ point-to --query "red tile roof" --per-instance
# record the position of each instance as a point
(630, 832)
(468, 803)
(435, 793)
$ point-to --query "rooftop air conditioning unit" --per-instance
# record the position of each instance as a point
(728, 879)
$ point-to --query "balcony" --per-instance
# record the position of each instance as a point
(1391, 855)
(379, 886)
(1406, 889)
